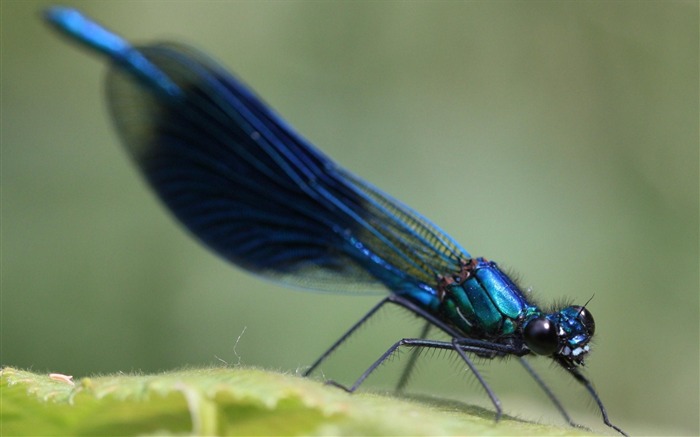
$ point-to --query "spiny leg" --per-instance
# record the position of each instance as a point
(494, 399)
(371, 368)
(345, 336)
(586, 383)
(552, 397)
(456, 344)
(410, 342)
(408, 370)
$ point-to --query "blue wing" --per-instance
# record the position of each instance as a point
(242, 181)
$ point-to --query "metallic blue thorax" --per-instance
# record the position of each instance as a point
(479, 301)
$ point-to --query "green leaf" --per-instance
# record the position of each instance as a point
(230, 401)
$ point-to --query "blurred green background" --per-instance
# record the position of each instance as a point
(558, 138)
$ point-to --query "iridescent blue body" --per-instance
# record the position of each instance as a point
(252, 189)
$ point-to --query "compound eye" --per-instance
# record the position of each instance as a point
(541, 336)
(586, 319)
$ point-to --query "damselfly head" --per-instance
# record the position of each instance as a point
(563, 335)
